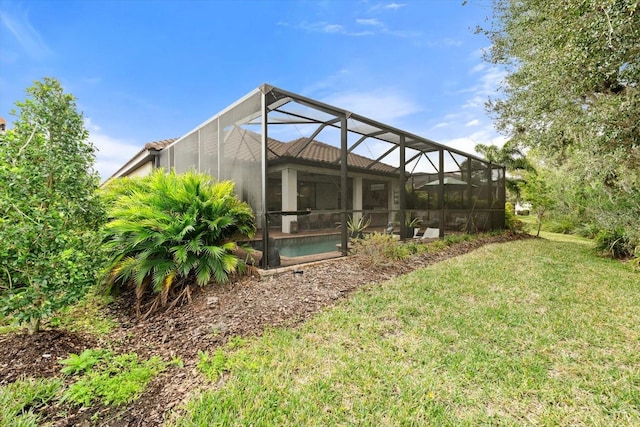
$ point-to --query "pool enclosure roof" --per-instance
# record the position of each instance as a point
(284, 108)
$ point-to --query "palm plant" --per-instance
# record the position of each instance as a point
(356, 226)
(171, 230)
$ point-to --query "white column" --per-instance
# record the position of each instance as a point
(289, 197)
(357, 197)
(394, 199)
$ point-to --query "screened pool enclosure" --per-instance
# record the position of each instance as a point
(305, 166)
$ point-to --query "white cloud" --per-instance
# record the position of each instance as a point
(478, 68)
(373, 22)
(330, 28)
(451, 42)
(385, 106)
(486, 136)
(395, 5)
(474, 122)
(333, 28)
(387, 6)
(26, 35)
(112, 153)
(474, 102)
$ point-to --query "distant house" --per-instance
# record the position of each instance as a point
(302, 164)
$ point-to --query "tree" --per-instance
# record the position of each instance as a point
(48, 207)
(573, 92)
(513, 159)
(537, 192)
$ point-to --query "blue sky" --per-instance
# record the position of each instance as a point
(145, 70)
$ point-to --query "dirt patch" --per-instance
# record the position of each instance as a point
(242, 308)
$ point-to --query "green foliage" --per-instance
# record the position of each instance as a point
(49, 211)
(613, 243)
(167, 231)
(452, 239)
(356, 227)
(380, 250)
(572, 95)
(511, 222)
(537, 192)
(212, 365)
(514, 160)
(87, 315)
(19, 399)
(83, 362)
(114, 381)
(225, 359)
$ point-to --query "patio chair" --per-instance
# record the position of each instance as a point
(431, 233)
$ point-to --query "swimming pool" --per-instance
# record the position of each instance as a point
(309, 245)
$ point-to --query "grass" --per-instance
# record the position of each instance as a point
(533, 332)
(19, 399)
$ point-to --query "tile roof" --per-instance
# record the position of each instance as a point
(324, 153)
(245, 145)
(159, 145)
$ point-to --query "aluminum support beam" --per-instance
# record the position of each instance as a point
(344, 184)
(265, 214)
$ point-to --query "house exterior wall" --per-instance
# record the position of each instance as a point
(144, 170)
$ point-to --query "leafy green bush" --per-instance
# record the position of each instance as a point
(589, 230)
(614, 243)
(171, 230)
(50, 254)
(87, 315)
(452, 239)
(562, 225)
(512, 223)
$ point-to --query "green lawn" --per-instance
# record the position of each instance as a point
(532, 332)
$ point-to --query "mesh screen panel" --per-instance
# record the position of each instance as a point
(164, 159)
(241, 150)
(186, 153)
(209, 148)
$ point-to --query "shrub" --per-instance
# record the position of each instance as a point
(172, 230)
(377, 249)
(512, 223)
(588, 230)
(614, 243)
(562, 225)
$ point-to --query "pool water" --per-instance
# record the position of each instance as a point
(300, 247)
